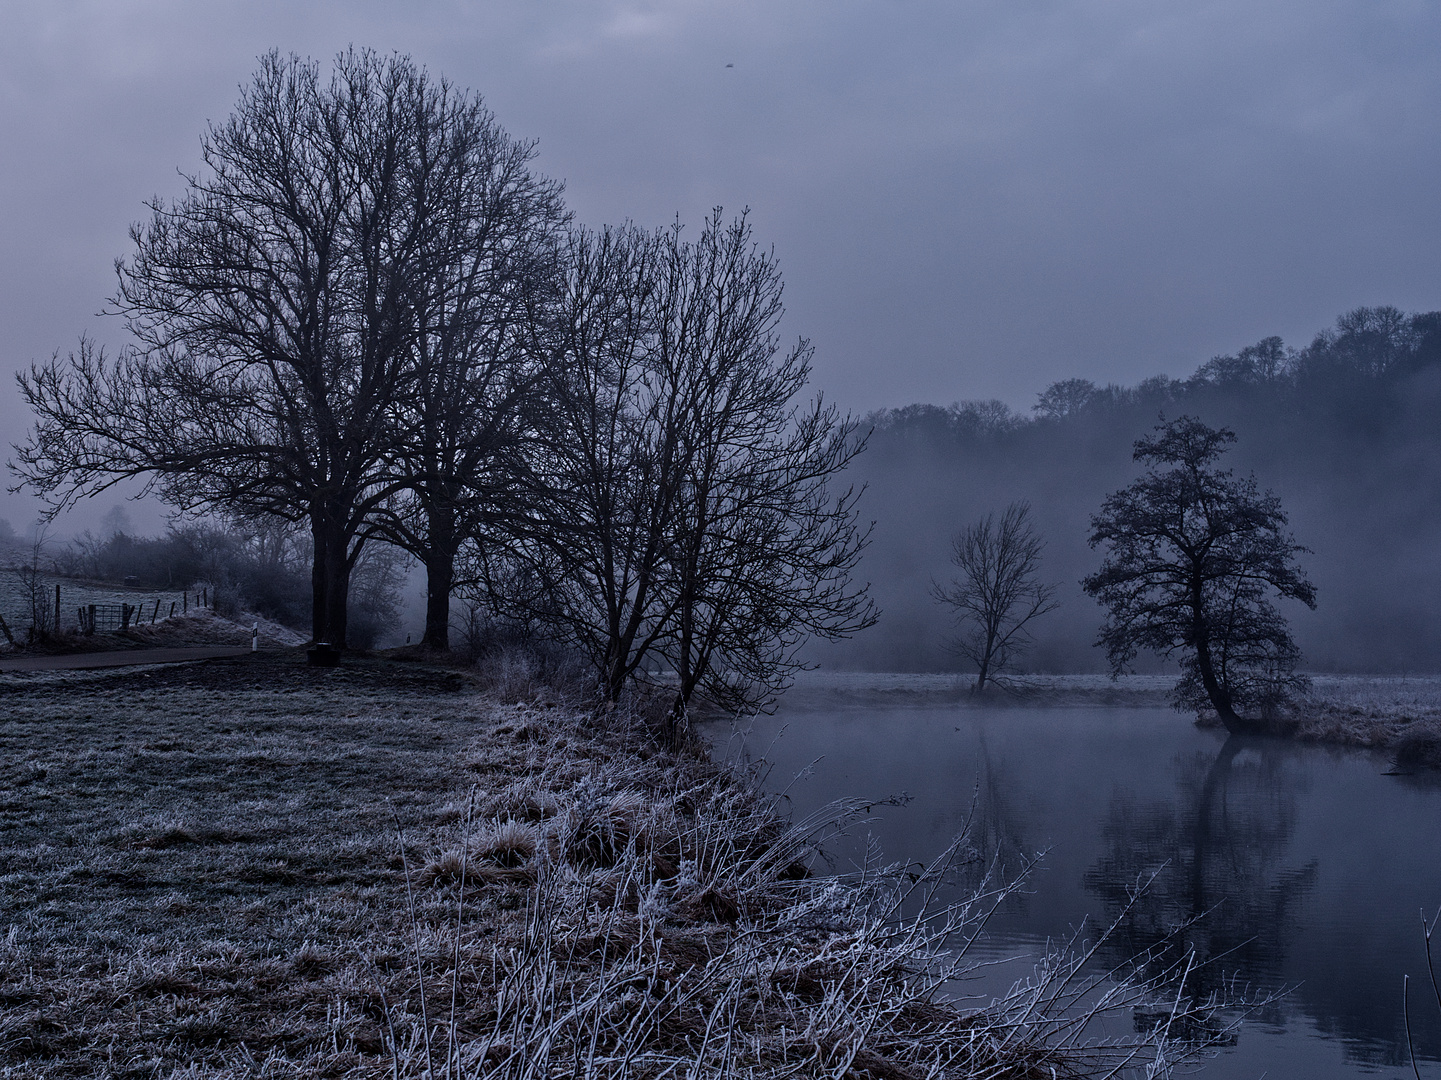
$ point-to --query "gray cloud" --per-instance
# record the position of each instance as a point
(969, 200)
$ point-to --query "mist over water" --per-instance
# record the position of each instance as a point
(1343, 432)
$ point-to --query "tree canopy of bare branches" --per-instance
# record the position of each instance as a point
(367, 316)
(484, 270)
(273, 308)
(688, 517)
(998, 592)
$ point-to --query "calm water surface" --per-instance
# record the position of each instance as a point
(1314, 865)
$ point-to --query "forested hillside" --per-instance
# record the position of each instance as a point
(1344, 430)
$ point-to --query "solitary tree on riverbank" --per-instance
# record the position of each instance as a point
(997, 592)
(1194, 558)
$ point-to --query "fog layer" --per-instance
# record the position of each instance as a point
(1343, 430)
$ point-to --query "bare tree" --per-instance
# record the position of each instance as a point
(684, 513)
(484, 271)
(270, 304)
(35, 580)
(763, 549)
(588, 561)
(998, 593)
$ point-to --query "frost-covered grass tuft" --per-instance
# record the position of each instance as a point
(201, 626)
(667, 922)
(198, 626)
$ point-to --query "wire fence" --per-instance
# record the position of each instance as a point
(37, 605)
(101, 618)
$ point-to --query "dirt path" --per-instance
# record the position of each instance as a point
(120, 658)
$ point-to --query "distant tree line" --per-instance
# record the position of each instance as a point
(1349, 374)
(1343, 429)
(368, 318)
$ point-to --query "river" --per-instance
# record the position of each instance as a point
(1310, 864)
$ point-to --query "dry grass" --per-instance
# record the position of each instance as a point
(250, 868)
(201, 626)
(198, 864)
(1401, 714)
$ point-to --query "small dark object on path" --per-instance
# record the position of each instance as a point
(323, 654)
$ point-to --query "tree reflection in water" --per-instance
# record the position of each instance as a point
(1312, 864)
(1218, 880)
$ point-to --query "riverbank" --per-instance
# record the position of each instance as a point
(250, 867)
(1400, 714)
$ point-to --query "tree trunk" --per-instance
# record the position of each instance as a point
(988, 653)
(319, 594)
(329, 579)
(1219, 696)
(613, 680)
(439, 580)
(338, 596)
(685, 668)
(441, 545)
(1220, 699)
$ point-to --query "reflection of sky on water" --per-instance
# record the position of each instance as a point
(1311, 866)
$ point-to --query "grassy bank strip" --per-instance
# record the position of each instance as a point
(1399, 714)
(250, 868)
(198, 626)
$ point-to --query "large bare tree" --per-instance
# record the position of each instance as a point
(271, 306)
(763, 547)
(588, 561)
(685, 512)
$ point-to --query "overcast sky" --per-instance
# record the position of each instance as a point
(968, 200)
